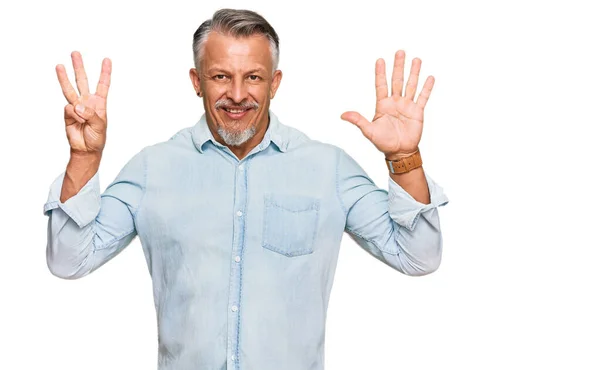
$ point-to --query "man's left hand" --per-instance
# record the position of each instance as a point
(398, 122)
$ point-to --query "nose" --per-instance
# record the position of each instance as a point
(237, 90)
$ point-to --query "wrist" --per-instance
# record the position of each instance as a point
(400, 163)
(85, 155)
(399, 155)
(79, 171)
(82, 167)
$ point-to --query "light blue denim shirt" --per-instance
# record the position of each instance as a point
(242, 253)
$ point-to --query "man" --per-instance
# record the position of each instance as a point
(240, 216)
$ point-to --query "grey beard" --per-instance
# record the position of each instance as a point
(236, 138)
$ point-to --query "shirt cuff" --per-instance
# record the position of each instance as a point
(83, 207)
(405, 210)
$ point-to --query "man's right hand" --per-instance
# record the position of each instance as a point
(85, 123)
(85, 114)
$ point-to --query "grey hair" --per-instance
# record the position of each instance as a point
(236, 23)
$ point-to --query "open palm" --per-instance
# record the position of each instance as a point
(397, 126)
(86, 125)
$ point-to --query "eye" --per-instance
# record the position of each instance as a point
(219, 77)
(254, 77)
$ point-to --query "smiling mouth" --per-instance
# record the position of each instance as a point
(235, 110)
(235, 113)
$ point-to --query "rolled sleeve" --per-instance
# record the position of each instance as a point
(405, 210)
(83, 207)
(91, 227)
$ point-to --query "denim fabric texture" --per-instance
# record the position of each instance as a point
(241, 253)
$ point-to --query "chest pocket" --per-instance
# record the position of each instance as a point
(290, 224)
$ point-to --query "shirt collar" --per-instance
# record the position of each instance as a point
(275, 133)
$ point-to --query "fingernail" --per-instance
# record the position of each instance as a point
(79, 109)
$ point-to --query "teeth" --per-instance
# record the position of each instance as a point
(235, 111)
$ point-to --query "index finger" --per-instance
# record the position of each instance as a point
(104, 82)
(65, 85)
(381, 87)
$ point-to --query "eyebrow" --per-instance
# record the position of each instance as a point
(215, 70)
(256, 70)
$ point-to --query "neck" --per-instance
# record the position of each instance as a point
(242, 150)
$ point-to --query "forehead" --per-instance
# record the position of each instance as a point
(226, 51)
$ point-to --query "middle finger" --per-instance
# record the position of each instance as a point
(398, 73)
(80, 75)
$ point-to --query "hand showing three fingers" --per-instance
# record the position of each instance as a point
(85, 114)
(398, 122)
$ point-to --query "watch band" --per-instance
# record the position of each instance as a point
(405, 164)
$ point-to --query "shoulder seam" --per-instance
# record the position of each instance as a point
(337, 182)
(144, 186)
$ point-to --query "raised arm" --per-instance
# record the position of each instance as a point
(85, 228)
(85, 123)
(397, 126)
(400, 227)
(391, 225)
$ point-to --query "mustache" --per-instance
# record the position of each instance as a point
(228, 103)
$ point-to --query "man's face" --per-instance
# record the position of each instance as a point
(237, 84)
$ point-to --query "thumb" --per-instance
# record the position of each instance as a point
(89, 115)
(356, 119)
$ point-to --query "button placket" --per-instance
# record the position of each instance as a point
(239, 220)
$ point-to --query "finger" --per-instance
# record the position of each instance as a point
(398, 73)
(381, 87)
(90, 116)
(70, 116)
(426, 92)
(356, 119)
(413, 79)
(104, 82)
(80, 76)
(65, 85)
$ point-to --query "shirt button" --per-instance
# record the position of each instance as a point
(234, 308)
(237, 259)
(239, 213)
(232, 357)
(241, 168)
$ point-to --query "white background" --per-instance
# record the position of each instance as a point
(510, 133)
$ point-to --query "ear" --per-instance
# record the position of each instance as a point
(275, 83)
(195, 81)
